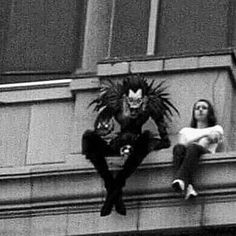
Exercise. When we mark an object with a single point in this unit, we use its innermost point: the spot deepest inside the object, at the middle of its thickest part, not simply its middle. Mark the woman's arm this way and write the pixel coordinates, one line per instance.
(189, 135)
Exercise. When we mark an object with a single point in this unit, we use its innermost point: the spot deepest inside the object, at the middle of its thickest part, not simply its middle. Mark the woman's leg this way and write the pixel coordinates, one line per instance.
(190, 163)
(179, 152)
(187, 169)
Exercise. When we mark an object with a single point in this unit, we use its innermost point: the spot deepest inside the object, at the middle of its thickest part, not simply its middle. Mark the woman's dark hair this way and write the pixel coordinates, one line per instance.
(211, 114)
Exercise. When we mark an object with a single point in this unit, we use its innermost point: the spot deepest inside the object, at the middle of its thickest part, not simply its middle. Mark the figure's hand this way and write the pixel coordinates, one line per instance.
(126, 151)
(160, 144)
(104, 127)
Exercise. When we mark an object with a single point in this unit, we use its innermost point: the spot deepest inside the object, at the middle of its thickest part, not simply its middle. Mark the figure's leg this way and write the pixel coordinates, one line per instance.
(95, 149)
(131, 164)
(134, 160)
(119, 204)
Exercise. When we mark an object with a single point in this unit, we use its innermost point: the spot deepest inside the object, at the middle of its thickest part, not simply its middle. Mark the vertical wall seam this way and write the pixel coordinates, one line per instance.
(152, 27)
(28, 135)
(138, 216)
(111, 28)
(202, 218)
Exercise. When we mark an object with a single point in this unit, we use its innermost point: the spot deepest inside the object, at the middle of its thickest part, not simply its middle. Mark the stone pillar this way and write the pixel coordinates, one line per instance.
(97, 32)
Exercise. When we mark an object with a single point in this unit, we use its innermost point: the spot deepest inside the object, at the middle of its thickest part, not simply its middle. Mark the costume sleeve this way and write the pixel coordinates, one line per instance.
(104, 124)
(162, 128)
(164, 141)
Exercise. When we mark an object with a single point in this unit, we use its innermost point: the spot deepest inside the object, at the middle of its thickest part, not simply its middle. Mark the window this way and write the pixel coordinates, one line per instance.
(40, 37)
(130, 28)
(170, 27)
(5, 7)
(192, 26)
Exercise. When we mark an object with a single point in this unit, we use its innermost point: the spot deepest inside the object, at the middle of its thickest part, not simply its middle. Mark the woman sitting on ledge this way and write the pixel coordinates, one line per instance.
(204, 136)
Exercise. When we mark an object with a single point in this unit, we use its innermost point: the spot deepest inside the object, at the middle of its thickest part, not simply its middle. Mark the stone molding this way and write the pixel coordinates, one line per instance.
(64, 88)
(167, 65)
(55, 188)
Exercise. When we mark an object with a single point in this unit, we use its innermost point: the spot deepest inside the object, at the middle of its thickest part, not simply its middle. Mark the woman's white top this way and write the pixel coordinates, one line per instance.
(202, 136)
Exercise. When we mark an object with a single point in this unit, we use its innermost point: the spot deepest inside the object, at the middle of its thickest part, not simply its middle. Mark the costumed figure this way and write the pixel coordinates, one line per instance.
(131, 102)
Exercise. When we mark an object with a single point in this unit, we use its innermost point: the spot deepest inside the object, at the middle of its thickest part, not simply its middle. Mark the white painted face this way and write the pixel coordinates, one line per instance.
(135, 100)
(201, 111)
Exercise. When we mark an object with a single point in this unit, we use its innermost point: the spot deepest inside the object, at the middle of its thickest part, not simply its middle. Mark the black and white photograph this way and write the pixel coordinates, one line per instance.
(117, 117)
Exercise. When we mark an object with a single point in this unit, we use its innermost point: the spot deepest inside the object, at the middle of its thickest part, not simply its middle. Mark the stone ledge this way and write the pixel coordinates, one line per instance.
(46, 90)
(76, 192)
(79, 165)
(85, 83)
(118, 68)
(168, 65)
(152, 166)
(35, 91)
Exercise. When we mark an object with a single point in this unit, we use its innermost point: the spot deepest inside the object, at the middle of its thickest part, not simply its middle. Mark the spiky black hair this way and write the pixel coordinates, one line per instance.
(110, 99)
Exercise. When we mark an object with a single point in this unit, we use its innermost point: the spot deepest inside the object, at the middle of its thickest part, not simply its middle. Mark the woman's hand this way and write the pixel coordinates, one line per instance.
(214, 136)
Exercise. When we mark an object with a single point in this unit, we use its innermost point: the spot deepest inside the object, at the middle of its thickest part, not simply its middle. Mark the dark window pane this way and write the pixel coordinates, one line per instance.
(5, 9)
(130, 28)
(192, 26)
(42, 35)
(232, 22)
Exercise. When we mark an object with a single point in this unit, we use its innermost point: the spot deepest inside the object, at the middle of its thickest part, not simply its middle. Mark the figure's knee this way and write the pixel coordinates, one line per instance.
(144, 138)
(147, 134)
(89, 141)
(88, 134)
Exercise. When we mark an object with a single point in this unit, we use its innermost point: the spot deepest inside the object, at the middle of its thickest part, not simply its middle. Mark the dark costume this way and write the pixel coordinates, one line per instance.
(131, 103)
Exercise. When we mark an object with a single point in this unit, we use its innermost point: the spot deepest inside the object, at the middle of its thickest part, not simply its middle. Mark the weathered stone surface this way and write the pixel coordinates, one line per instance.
(14, 130)
(67, 198)
(50, 132)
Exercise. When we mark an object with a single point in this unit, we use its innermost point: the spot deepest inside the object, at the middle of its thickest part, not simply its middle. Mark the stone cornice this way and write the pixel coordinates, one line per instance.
(157, 65)
(76, 193)
(53, 186)
(156, 159)
(64, 88)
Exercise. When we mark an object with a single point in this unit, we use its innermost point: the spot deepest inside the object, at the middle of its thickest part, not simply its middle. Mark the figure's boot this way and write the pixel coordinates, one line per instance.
(101, 166)
(129, 167)
(103, 170)
(110, 201)
(119, 204)
(131, 164)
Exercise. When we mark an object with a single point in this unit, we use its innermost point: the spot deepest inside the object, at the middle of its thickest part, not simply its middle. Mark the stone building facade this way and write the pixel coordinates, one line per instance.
(54, 57)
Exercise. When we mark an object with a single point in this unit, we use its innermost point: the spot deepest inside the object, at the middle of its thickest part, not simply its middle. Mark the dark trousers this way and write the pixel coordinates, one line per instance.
(95, 149)
(186, 159)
